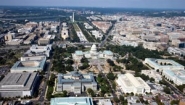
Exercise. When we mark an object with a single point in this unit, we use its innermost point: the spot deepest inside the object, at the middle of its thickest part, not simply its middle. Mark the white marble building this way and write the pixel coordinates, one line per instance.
(130, 84)
(93, 54)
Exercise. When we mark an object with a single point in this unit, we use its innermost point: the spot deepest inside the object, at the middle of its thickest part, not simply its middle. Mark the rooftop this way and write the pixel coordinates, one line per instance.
(72, 101)
(29, 65)
(162, 62)
(75, 75)
(129, 80)
(18, 81)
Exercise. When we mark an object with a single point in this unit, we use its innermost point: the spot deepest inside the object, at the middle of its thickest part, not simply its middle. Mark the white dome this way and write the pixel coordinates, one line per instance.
(93, 48)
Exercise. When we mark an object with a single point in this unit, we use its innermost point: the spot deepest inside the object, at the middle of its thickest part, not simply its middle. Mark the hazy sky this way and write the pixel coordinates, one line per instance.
(99, 3)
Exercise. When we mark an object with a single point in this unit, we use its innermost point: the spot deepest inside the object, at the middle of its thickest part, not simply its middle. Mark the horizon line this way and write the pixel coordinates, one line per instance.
(89, 7)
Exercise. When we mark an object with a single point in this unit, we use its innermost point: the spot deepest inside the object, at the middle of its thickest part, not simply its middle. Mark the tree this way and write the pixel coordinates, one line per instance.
(81, 47)
(69, 68)
(84, 60)
(114, 85)
(121, 98)
(84, 66)
(64, 93)
(50, 83)
(116, 100)
(110, 76)
(174, 102)
(167, 90)
(111, 63)
(90, 92)
(152, 79)
(69, 62)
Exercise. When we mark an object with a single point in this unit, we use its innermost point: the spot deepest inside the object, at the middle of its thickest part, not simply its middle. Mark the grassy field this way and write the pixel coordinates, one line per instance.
(76, 27)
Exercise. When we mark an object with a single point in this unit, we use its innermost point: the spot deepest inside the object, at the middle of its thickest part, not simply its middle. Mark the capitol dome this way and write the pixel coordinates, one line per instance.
(93, 48)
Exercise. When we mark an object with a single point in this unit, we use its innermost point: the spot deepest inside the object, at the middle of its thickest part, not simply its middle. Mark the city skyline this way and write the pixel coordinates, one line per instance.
(171, 4)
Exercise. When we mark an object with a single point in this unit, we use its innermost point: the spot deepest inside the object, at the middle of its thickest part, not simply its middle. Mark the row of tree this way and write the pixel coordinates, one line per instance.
(60, 63)
(115, 67)
(85, 63)
(73, 35)
(50, 84)
(138, 52)
(104, 85)
(87, 35)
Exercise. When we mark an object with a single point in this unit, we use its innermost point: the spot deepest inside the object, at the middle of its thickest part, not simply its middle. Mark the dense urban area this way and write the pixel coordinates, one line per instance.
(91, 56)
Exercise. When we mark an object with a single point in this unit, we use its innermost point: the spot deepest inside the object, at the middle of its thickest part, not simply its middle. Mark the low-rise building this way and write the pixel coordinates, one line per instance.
(31, 58)
(130, 84)
(14, 42)
(30, 39)
(152, 74)
(64, 34)
(72, 100)
(18, 84)
(156, 88)
(87, 26)
(176, 51)
(46, 39)
(104, 102)
(177, 76)
(9, 36)
(97, 34)
(163, 64)
(28, 66)
(75, 82)
(129, 43)
(40, 50)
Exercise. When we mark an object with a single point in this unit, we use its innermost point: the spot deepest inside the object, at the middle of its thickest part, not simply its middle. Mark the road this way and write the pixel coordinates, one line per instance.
(106, 37)
(41, 99)
(173, 88)
(14, 47)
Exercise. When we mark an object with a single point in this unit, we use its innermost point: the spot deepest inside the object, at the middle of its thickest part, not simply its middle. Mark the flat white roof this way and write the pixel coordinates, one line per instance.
(130, 80)
(72, 101)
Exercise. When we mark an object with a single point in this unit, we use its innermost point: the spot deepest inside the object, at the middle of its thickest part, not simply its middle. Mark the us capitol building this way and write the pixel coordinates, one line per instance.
(93, 54)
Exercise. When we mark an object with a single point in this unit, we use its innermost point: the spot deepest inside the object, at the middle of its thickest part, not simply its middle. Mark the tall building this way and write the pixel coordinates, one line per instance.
(73, 18)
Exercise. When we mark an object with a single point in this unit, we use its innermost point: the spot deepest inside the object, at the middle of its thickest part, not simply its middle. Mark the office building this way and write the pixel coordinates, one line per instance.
(130, 84)
(32, 58)
(163, 64)
(40, 50)
(177, 76)
(75, 82)
(28, 66)
(18, 84)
